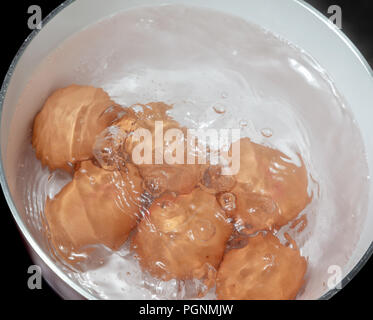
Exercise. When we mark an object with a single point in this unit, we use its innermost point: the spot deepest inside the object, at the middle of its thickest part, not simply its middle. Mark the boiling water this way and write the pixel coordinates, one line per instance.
(219, 72)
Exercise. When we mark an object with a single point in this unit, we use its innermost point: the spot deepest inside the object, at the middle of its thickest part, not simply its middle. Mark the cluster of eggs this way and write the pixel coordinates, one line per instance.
(182, 218)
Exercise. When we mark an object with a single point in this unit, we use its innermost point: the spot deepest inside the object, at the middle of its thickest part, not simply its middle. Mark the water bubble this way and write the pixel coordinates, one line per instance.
(138, 108)
(145, 22)
(243, 123)
(109, 148)
(227, 201)
(266, 132)
(219, 108)
(92, 180)
(156, 185)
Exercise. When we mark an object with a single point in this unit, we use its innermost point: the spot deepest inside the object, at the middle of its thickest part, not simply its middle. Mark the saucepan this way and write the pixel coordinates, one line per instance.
(345, 237)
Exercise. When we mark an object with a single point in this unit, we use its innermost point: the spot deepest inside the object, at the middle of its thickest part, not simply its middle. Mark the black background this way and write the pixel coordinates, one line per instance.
(357, 24)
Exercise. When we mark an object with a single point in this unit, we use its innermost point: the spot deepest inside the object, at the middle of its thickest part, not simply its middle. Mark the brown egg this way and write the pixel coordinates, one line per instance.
(270, 191)
(262, 270)
(159, 174)
(183, 237)
(96, 207)
(65, 129)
